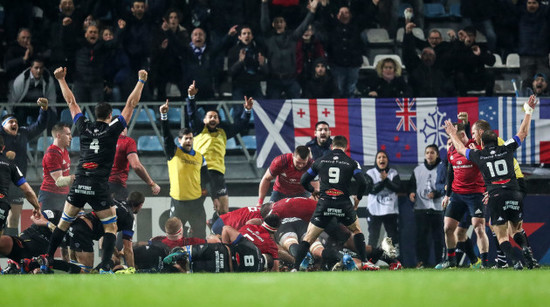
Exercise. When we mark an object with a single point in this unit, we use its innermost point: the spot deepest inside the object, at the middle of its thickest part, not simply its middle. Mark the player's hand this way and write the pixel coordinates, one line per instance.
(485, 199)
(472, 146)
(445, 202)
(142, 75)
(155, 189)
(10, 155)
(43, 103)
(60, 73)
(529, 106)
(449, 127)
(355, 202)
(163, 109)
(38, 216)
(412, 197)
(463, 117)
(315, 195)
(248, 103)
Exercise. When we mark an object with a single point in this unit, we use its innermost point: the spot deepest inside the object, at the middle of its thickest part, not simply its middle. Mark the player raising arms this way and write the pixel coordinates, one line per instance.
(98, 141)
(496, 164)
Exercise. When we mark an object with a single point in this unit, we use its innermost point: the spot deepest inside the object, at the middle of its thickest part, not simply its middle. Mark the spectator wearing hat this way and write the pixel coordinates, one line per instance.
(538, 86)
(321, 84)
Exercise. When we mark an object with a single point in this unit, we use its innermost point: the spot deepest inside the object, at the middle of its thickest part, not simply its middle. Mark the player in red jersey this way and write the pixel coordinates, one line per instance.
(236, 218)
(126, 156)
(56, 166)
(464, 196)
(174, 235)
(286, 169)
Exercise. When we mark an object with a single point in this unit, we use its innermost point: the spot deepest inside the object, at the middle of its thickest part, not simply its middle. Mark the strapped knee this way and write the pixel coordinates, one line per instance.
(67, 218)
(108, 220)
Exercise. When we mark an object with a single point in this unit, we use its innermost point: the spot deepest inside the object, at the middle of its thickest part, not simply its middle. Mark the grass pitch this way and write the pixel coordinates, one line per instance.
(410, 287)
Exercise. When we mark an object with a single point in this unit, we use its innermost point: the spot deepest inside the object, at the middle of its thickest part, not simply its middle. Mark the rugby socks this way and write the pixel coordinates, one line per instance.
(507, 249)
(67, 267)
(500, 254)
(526, 238)
(521, 239)
(293, 250)
(330, 256)
(451, 255)
(55, 240)
(301, 253)
(485, 259)
(359, 241)
(108, 247)
(469, 250)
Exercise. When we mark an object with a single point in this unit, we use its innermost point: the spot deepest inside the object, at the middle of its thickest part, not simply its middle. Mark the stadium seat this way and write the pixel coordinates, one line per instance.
(512, 60)
(116, 112)
(75, 144)
(65, 116)
(480, 38)
(223, 116)
(149, 143)
(434, 11)
(498, 62)
(174, 116)
(380, 57)
(250, 142)
(366, 64)
(40, 147)
(378, 36)
(454, 11)
(232, 145)
(141, 118)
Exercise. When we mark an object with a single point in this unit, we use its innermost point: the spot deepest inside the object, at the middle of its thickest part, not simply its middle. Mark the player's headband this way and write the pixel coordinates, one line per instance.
(5, 122)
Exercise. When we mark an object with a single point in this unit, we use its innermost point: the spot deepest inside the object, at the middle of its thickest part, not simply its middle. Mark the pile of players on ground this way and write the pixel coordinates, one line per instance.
(250, 239)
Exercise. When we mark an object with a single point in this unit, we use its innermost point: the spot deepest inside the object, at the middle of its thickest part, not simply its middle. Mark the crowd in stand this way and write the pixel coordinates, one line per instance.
(310, 49)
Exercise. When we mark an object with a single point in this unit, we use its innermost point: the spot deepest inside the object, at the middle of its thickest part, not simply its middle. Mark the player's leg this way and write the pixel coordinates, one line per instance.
(70, 213)
(374, 225)
(6, 245)
(311, 235)
(14, 215)
(194, 211)
(108, 219)
(436, 224)
(422, 235)
(391, 226)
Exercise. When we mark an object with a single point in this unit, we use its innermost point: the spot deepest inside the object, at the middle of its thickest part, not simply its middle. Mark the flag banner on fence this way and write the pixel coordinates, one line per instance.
(402, 127)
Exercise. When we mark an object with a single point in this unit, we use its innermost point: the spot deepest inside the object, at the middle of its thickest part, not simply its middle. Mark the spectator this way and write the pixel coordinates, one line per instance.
(116, 70)
(539, 86)
(168, 56)
(320, 144)
(89, 62)
(389, 83)
(308, 49)
(428, 213)
(469, 60)
(247, 65)
(533, 39)
(137, 38)
(344, 51)
(382, 200)
(33, 83)
(199, 61)
(19, 54)
(281, 52)
(68, 21)
(425, 78)
(479, 14)
(434, 41)
(321, 84)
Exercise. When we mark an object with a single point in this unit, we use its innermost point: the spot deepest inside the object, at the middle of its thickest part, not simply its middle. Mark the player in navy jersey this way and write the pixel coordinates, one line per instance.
(496, 164)
(98, 141)
(87, 228)
(335, 171)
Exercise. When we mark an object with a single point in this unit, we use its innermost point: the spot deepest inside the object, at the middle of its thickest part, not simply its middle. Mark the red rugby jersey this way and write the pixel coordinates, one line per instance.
(287, 176)
(55, 159)
(467, 177)
(299, 207)
(125, 146)
(261, 238)
(239, 217)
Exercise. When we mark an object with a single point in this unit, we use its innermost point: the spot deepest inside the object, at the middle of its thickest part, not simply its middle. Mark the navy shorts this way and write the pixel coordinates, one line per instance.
(90, 191)
(328, 208)
(217, 183)
(506, 205)
(465, 203)
(51, 201)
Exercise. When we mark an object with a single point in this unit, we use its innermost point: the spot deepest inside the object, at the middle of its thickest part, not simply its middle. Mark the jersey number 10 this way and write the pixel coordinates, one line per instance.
(499, 166)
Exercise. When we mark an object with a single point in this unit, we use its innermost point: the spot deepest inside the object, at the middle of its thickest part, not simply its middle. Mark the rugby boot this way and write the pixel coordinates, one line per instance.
(369, 266)
(446, 265)
(476, 265)
(177, 254)
(130, 270)
(106, 272)
(388, 248)
(12, 268)
(529, 259)
(349, 264)
(25, 265)
(518, 266)
(308, 260)
(394, 266)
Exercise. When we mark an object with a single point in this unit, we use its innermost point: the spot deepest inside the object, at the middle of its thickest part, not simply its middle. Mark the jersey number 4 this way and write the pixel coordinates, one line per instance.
(95, 145)
(497, 168)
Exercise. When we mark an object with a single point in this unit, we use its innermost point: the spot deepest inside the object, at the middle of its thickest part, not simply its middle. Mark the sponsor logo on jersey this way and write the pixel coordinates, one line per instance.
(90, 165)
(333, 192)
(500, 219)
(335, 158)
(478, 211)
(459, 162)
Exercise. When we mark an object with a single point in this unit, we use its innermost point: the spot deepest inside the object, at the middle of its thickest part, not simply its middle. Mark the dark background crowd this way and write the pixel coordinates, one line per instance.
(268, 49)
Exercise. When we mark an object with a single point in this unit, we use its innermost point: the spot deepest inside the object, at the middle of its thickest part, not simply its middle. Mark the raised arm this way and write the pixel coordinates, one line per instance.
(68, 95)
(457, 143)
(140, 170)
(135, 96)
(528, 107)
(264, 186)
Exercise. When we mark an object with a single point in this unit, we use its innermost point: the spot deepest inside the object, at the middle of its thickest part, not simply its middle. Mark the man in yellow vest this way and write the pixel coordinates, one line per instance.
(211, 137)
(186, 167)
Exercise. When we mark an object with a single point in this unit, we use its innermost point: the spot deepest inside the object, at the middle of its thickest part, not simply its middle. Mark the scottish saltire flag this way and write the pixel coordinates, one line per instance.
(403, 127)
